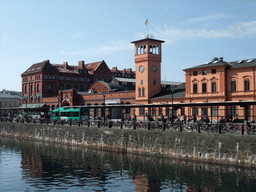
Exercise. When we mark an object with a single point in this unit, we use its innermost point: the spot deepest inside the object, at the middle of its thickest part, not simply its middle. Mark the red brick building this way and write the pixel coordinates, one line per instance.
(53, 85)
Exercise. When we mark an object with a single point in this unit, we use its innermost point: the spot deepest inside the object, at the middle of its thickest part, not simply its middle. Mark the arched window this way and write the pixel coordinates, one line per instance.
(246, 85)
(139, 92)
(25, 88)
(143, 91)
(81, 88)
(38, 88)
(61, 87)
(31, 88)
(49, 87)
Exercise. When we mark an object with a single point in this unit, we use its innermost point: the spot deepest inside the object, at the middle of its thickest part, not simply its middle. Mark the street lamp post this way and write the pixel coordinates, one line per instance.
(172, 90)
(58, 105)
(104, 100)
(26, 100)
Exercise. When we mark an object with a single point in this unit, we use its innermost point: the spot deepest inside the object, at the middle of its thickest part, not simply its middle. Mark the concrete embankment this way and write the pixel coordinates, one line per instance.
(208, 147)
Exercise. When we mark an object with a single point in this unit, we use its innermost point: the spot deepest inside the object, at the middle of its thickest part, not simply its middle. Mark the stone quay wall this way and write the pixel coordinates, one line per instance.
(203, 147)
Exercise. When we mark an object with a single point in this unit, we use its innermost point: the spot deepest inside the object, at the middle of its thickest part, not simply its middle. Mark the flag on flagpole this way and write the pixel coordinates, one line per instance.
(146, 23)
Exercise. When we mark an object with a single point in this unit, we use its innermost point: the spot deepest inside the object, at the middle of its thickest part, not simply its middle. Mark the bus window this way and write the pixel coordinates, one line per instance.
(64, 114)
(74, 114)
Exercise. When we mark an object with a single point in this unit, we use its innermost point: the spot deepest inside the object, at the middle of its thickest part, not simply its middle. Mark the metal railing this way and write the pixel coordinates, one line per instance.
(220, 128)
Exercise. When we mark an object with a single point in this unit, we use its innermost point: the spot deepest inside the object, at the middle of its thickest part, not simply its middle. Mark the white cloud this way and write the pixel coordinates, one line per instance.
(109, 48)
(236, 31)
(209, 18)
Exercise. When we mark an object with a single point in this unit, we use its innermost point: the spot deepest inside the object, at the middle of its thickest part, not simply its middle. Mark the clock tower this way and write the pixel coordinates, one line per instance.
(148, 68)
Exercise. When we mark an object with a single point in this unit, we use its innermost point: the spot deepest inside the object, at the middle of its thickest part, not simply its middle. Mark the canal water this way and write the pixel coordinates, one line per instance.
(36, 166)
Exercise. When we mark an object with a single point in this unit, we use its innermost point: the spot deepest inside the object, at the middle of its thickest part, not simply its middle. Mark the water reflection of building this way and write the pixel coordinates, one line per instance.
(32, 164)
(193, 188)
(143, 183)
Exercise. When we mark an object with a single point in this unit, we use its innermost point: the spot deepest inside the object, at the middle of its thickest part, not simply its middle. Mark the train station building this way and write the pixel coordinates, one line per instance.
(46, 86)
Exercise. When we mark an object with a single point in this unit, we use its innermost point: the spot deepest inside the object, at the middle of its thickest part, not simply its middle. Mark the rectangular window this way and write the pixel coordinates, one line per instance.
(213, 87)
(233, 85)
(154, 111)
(142, 110)
(183, 111)
(234, 111)
(249, 111)
(160, 110)
(204, 111)
(246, 85)
(214, 111)
(167, 111)
(204, 88)
(194, 88)
(213, 71)
(195, 111)
(194, 73)
(204, 72)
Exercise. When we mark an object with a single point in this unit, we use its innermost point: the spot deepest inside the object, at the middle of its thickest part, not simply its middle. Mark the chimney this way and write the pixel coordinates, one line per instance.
(47, 61)
(221, 58)
(124, 70)
(81, 64)
(129, 70)
(65, 64)
(114, 68)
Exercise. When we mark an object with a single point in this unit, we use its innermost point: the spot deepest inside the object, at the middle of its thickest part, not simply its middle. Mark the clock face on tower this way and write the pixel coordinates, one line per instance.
(141, 68)
(154, 68)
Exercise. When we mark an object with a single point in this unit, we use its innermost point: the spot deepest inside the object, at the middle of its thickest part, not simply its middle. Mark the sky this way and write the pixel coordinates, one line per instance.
(194, 32)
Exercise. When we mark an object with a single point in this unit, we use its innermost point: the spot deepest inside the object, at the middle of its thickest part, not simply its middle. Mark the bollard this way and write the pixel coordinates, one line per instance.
(121, 125)
(79, 122)
(242, 130)
(219, 128)
(54, 122)
(148, 126)
(163, 126)
(62, 122)
(180, 127)
(109, 124)
(47, 121)
(98, 124)
(88, 123)
(134, 125)
(198, 128)
(34, 121)
(70, 122)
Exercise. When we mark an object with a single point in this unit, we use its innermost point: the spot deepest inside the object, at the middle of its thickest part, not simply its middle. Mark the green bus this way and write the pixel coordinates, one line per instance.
(74, 113)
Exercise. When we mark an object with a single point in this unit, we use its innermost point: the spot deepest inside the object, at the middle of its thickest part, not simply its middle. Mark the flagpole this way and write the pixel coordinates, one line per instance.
(146, 23)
